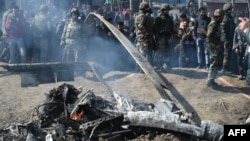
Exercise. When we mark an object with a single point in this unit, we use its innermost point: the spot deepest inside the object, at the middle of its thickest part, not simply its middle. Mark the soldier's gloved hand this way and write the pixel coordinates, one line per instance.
(62, 43)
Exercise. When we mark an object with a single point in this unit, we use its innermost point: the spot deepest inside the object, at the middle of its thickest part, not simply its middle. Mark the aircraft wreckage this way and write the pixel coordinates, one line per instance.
(70, 114)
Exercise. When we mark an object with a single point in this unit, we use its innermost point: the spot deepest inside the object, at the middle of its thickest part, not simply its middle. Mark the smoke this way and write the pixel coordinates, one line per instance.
(105, 51)
(110, 54)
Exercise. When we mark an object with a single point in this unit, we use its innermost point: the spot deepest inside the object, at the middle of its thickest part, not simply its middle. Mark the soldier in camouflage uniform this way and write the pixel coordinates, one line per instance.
(152, 29)
(73, 37)
(164, 29)
(143, 31)
(227, 33)
(214, 46)
(41, 27)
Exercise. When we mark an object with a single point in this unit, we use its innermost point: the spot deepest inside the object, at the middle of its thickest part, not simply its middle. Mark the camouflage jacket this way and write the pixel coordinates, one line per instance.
(142, 27)
(213, 33)
(164, 26)
(227, 28)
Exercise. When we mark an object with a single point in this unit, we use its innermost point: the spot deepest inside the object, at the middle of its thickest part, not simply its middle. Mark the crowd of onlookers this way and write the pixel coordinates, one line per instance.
(47, 36)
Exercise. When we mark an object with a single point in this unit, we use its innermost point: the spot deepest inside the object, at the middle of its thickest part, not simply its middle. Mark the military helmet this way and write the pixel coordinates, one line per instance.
(227, 6)
(43, 7)
(143, 5)
(75, 10)
(165, 6)
(218, 12)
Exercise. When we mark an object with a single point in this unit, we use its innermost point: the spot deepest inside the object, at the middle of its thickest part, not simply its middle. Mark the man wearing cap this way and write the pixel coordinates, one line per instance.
(227, 33)
(214, 46)
(164, 29)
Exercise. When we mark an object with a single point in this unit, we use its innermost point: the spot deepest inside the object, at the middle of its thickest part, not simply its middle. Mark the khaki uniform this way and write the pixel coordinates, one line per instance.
(73, 36)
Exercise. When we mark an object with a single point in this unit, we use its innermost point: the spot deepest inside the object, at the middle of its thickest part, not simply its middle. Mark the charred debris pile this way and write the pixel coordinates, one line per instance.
(72, 115)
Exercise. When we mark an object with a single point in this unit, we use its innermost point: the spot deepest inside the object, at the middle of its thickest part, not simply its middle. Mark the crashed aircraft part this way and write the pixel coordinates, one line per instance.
(208, 129)
(140, 60)
(103, 119)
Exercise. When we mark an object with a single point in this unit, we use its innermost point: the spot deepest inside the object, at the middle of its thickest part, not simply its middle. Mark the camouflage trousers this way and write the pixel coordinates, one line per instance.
(227, 53)
(146, 50)
(216, 62)
(163, 53)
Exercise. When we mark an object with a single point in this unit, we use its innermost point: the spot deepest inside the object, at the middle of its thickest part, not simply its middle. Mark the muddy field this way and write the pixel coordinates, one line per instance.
(225, 105)
(228, 104)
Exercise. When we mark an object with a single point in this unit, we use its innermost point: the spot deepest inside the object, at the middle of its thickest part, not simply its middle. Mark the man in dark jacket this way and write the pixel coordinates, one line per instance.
(200, 31)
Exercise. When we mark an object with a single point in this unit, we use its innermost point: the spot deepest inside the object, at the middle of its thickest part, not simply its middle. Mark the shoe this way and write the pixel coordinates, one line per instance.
(211, 83)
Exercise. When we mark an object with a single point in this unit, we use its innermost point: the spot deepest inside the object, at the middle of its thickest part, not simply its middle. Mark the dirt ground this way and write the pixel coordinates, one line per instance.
(228, 104)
